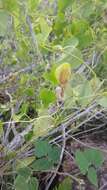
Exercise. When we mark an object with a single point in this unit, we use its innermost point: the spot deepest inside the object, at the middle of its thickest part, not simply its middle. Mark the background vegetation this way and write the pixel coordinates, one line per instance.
(53, 94)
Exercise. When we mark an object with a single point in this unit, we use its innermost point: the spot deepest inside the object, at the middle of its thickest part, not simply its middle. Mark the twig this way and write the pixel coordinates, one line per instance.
(10, 126)
(64, 174)
(19, 139)
(87, 145)
(34, 40)
(103, 186)
(65, 151)
(72, 120)
(16, 73)
(61, 157)
(90, 130)
(50, 171)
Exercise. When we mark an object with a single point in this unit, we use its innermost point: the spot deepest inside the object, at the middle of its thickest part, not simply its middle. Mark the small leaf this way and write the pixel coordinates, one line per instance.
(3, 22)
(47, 96)
(69, 98)
(78, 27)
(45, 28)
(54, 154)
(42, 148)
(11, 6)
(1, 127)
(87, 9)
(72, 42)
(81, 161)
(30, 91)
(20, 183)
(42, 125)
(95, 83)
(33, 184)
(24, 162)
(50, 76)
(92, 176)
(64, 4)
(32, 4)
(77, 79)
(71, 55)
(94, 156)
(103, 101)
(66, 184)
(24, 172)
(85, 93)
(42, 164)
(45, 31)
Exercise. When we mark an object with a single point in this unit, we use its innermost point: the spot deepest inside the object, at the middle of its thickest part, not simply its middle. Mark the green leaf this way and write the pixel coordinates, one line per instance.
(54, 154)
(23, 79)
(83, 32)
(103, 101)
(72, 42)
(24, 172)
(4, 17)
(23, 110)
(1, 127)
(24, 162)
(85, 93)
(42, 125)
(45, 31)
(92, 176)
(77, 80)
(69, 100)
(42, 164)
(47, 96)
(85, 39)
(78, 27)
(87, 9)
(32, 4)
(20, 183)
(11, 6)
(30, 91)
(50, 76)
(95, 83)
(94, 156)
(33, 183)
(81, 161)
(42, 148)
(45, 28)
(66, 184)
(63, 4)
(59, 24)
(73, 56)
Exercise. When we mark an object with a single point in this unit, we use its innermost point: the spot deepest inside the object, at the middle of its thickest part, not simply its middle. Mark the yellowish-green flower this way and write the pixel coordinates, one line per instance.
(63, 73)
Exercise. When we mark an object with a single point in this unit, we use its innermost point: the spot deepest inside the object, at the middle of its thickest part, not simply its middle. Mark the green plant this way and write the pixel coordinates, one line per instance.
(25, 180)
(46, 157)
(36, 40)
(65, 184)
(88, 162)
